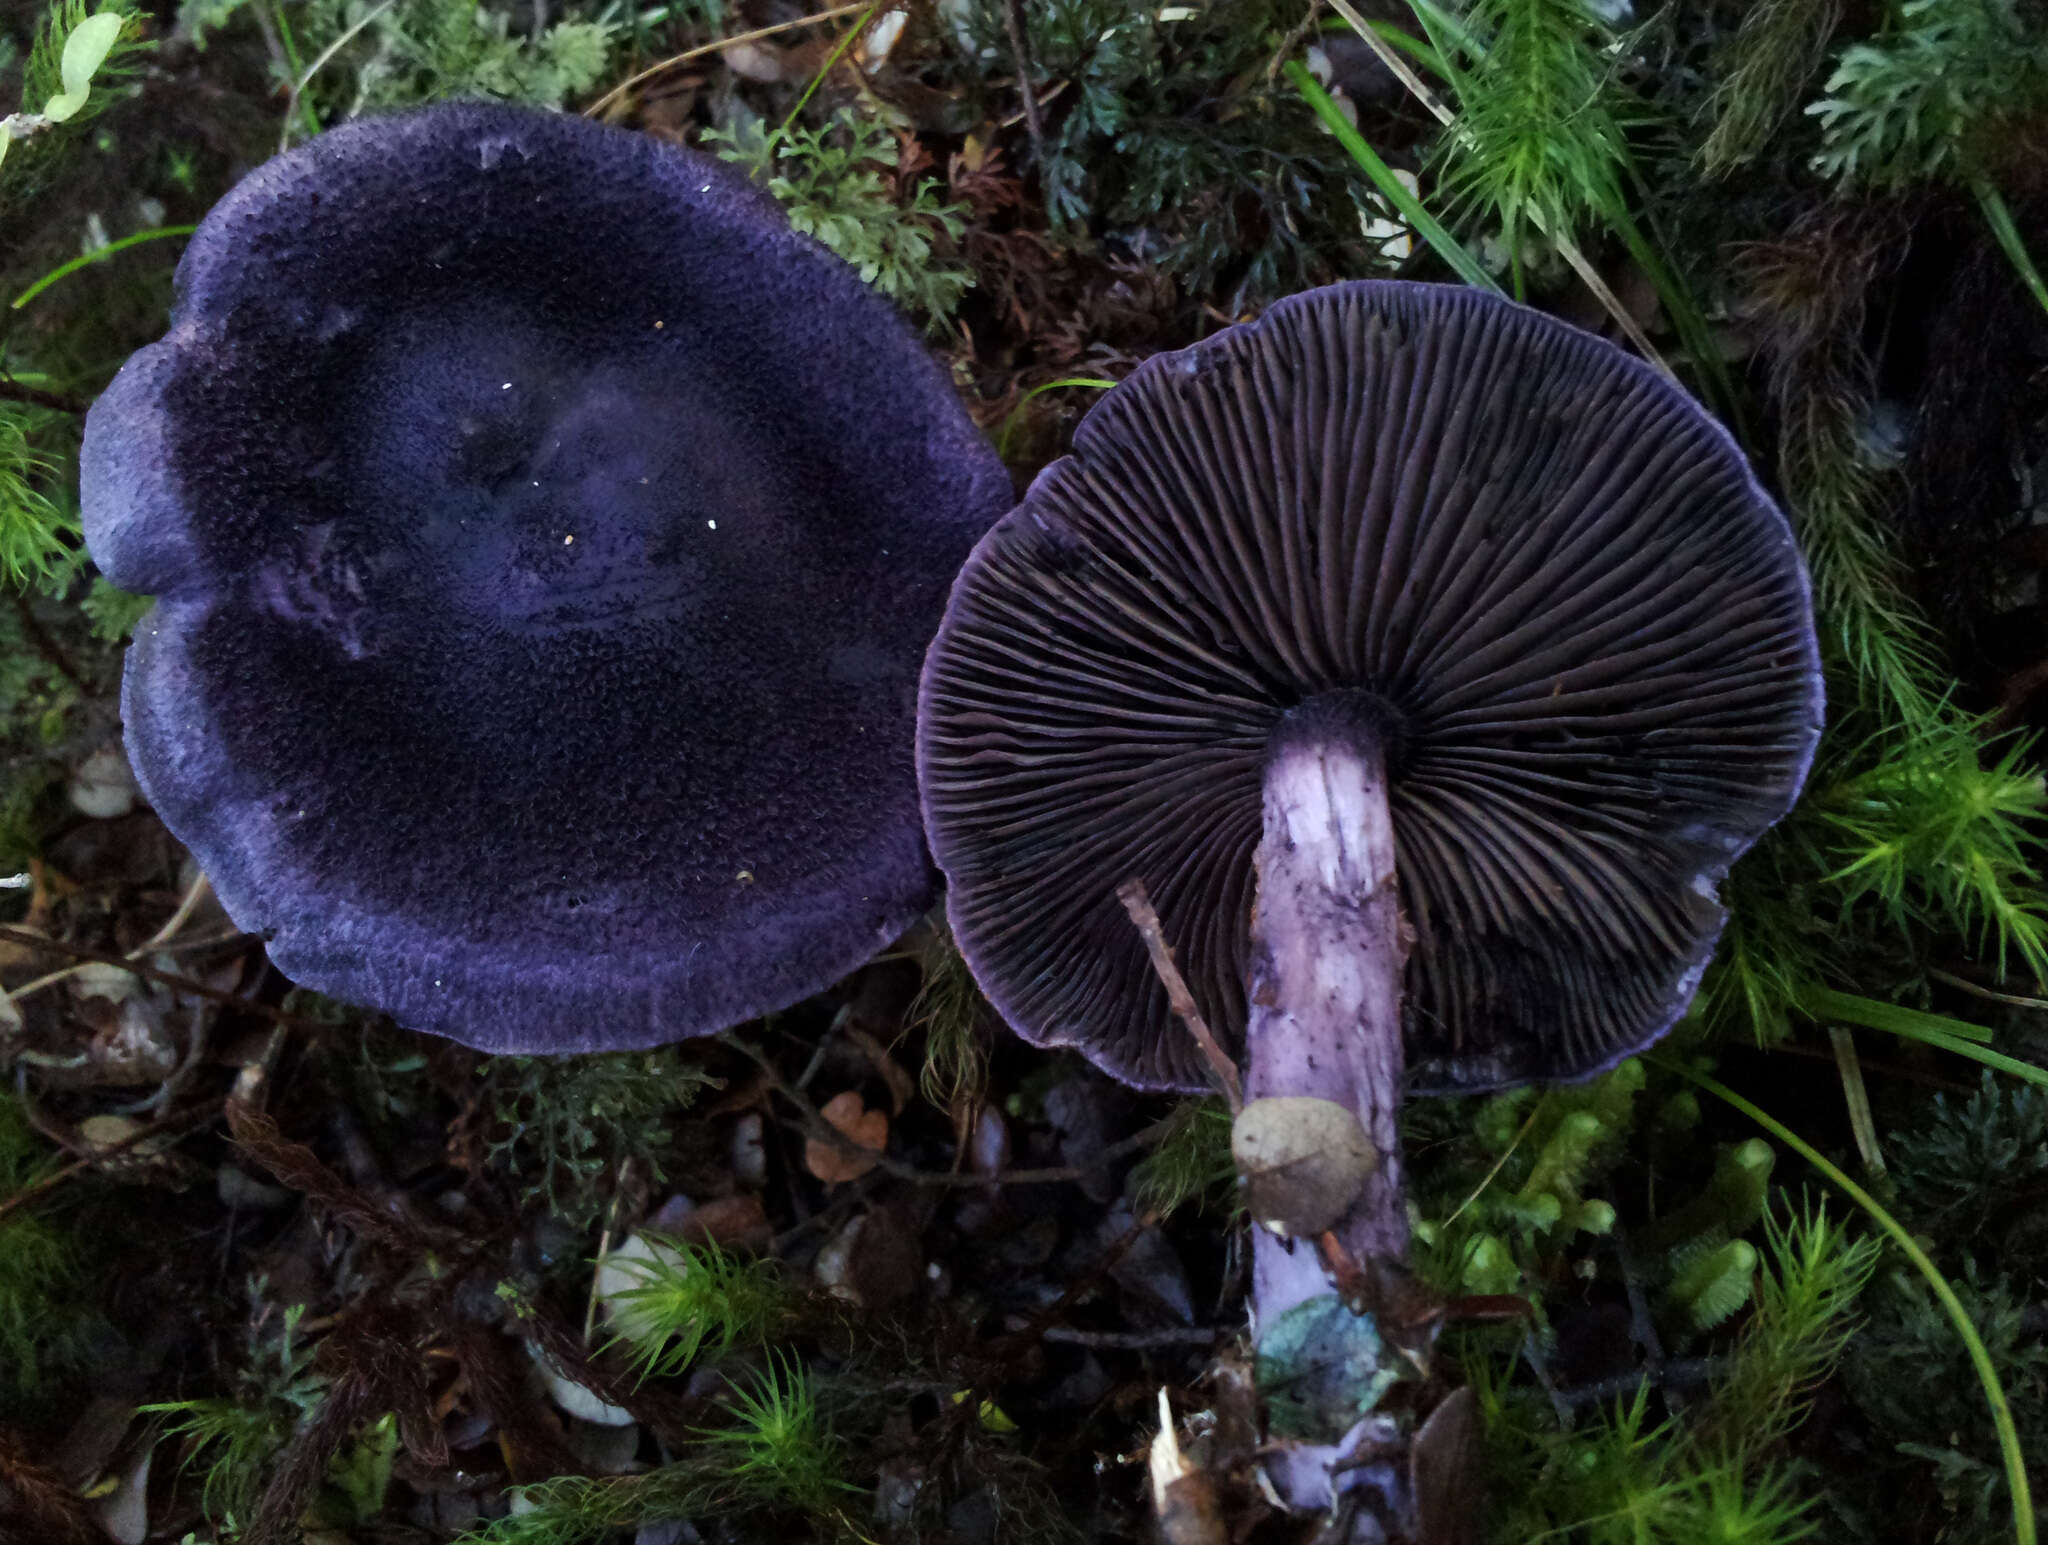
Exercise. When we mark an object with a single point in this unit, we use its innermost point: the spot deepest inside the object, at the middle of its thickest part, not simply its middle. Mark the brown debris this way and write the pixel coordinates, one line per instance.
(862, 1128)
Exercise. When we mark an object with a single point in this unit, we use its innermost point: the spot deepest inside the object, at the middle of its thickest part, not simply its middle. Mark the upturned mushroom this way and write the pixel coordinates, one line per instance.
(1428, 662)
(546, 539)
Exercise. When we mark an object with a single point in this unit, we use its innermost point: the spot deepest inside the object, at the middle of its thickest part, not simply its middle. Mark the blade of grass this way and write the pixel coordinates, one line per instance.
(1566, 247)
(831, 62)
(1411, 209)
(301, 82)
(1857, 1098)
(1010, 420)
(598, 108)
(1876, 1014)
(1950, 1035)
(1980, 1356)
(94, 256)
(1999, 218)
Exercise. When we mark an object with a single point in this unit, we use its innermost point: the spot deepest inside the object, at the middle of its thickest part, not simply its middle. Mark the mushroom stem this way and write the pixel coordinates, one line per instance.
(1328, 950)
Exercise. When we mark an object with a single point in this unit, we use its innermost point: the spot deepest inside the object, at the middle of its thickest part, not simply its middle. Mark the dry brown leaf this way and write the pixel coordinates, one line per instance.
(868, 1128)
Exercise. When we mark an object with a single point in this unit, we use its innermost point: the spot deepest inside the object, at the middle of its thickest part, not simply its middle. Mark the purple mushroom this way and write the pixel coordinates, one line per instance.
(546, 539)
(1429, 662)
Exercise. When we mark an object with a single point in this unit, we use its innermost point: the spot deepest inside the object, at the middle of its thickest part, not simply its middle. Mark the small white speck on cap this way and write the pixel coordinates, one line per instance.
(506, 387)
(712, 524)
(568, 539)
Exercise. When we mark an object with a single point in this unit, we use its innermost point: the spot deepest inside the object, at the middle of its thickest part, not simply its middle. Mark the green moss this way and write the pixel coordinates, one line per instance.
(44, 1315)
(563, 1127)
(834, 180)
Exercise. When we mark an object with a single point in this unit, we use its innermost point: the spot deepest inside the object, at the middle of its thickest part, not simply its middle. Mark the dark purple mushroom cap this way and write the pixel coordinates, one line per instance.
(1538, 564)
(546, 541)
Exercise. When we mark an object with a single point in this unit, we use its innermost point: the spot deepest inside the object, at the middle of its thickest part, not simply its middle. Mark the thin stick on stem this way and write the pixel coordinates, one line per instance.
(171, 979)
(1020, 50)
(162, 936)
(189, 1120)
(14, 391)
(1138, 902)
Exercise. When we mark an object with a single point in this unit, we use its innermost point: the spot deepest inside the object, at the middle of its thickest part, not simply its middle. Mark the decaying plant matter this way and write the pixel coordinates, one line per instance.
(378, 1285)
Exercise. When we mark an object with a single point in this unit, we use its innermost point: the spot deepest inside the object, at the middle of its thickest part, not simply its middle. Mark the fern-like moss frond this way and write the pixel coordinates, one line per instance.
(38, 531)
(832, 179)
(1762, 73)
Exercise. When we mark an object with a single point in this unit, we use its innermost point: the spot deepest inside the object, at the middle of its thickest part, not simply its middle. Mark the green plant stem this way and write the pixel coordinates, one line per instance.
(301, 82)
(1950, 1035)
(291, 59)
(1876, 1014)
(95, 256)
(1999, 218)
(1010, 420)
(831, 62)
(1980, 1356)
(1411, 208)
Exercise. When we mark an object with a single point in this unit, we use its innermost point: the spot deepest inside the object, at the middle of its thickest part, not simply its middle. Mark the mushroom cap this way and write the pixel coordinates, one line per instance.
(546, 540)
(1529, 566)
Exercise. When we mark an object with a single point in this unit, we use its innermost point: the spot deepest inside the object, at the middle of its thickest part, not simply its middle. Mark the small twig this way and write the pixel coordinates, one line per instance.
(850, 1196)
(1689, 1373)
(291, 104)
(99, 1156)
(813, 1125)
(1020, 51)
(168, 978)
(2014, 1000)
(1138, 1340)
(14, 391)
(46, 646)
(597, 108)
(1400, 68)
(181, 1075)
(1034, 1329)
(1301, 29)
(1037, 101)
(1539, 1364)
(1861, 1124)
(1642, 1324)
(1138, 903)
(1479, 1190)
(604, 1248)
(1872, 1065)
(155, 941)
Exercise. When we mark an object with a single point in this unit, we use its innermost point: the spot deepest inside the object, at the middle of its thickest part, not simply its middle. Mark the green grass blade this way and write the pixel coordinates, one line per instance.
(1894, 1018)
(1010, 422)
(1391, 187)
(1999, 218)
(94, 256)
(1950, 1035)
(1980, 1356)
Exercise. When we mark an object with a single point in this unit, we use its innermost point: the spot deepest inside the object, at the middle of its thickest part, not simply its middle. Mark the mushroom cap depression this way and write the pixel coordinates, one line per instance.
(1543, 576)
(546, 539)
